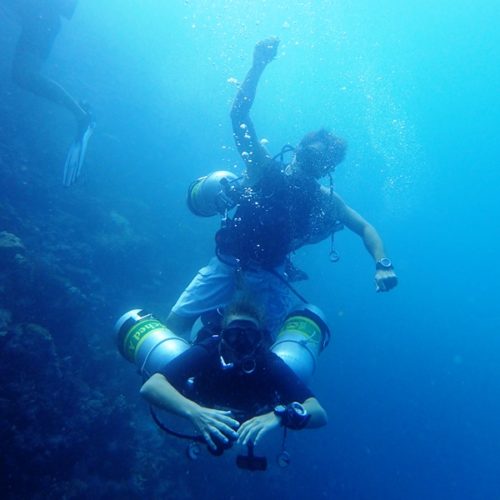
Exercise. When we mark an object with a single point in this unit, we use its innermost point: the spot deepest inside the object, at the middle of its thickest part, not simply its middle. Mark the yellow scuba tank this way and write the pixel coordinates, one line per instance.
(301, 339)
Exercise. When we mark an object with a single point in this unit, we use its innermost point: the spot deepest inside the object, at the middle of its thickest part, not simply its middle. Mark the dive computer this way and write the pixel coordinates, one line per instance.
(293, 416)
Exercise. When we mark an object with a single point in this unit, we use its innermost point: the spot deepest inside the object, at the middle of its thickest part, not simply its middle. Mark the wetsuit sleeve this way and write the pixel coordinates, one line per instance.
(188, 364)
(289, 386)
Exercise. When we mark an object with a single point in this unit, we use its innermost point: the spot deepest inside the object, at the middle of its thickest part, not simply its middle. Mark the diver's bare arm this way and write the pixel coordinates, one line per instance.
(318, 414)
(257, 427)
(212, 424)
(385, 279)
(356, 223)
(247, 142)
(158, 391)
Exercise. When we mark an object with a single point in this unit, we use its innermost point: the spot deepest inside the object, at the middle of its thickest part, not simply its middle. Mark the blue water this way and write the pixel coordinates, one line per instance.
(410, 380)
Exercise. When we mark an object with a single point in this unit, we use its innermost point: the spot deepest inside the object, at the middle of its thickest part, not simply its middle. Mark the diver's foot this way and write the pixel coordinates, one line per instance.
(78, 150)
(85, 119)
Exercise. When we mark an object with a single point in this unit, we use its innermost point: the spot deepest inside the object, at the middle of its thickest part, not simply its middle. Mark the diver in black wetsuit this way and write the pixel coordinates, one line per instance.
(241, 390)
(40, 22)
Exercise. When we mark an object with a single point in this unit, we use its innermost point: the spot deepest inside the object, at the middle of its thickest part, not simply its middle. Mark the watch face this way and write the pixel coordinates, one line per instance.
(385, 262)
(298, 409)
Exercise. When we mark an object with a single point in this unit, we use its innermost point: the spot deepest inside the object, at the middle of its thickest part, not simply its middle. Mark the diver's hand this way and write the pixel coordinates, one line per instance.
(255, 428)
(385, 279)
(215, 425)
(265, 51)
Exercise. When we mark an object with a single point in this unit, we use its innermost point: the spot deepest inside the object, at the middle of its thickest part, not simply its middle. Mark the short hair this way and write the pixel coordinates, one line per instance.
(336, 146)
(244, 304)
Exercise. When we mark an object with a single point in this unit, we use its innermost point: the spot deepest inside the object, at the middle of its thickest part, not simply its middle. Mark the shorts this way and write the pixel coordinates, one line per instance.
(215, 285)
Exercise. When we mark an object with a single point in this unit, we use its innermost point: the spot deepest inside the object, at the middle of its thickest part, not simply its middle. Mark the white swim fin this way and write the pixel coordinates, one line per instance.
(76, 154)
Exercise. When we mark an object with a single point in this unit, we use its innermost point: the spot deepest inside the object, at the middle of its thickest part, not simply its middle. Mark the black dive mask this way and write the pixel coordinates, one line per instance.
(239, 343)
(314, 160)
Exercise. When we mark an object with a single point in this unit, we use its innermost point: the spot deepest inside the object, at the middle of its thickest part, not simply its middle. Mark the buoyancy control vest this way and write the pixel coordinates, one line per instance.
(272, 218)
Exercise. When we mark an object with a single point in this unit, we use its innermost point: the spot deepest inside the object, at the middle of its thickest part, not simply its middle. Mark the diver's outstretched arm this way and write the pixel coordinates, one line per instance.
(385, 279)
(247, 142)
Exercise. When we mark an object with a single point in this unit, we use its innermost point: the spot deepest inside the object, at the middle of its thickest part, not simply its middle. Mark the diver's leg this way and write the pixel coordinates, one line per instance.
(33, 49)
(180, 325)
(275, 296)
(26, 73)
(211, 288)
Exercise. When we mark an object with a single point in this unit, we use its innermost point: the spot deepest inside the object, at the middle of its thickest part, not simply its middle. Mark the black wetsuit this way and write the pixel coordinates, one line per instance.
(271, 383)
(273, 218)
(40, 21)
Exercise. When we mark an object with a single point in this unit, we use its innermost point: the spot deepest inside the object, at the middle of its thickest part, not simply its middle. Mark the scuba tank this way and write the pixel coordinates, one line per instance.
(301, 339)
(145, 341)
(212, 194)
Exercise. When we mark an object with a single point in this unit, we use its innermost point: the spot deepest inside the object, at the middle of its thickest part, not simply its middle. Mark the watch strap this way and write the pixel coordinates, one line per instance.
(384, 264)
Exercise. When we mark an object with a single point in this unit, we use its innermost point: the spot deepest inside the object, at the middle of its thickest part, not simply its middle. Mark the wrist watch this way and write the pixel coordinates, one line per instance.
(279, 411)
(293, 416)
(384, 264)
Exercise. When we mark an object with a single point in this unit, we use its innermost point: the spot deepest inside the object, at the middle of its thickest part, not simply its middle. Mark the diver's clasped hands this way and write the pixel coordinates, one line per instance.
(265, 51)
(385, 279)
(218, 427)
(254, 429)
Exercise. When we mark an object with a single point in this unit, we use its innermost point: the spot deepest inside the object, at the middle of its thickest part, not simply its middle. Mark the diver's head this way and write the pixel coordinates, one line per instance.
(319, 152)
(242, 335)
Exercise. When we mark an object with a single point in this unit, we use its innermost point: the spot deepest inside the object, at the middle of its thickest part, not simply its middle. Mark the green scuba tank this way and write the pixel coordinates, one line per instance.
(145, 341)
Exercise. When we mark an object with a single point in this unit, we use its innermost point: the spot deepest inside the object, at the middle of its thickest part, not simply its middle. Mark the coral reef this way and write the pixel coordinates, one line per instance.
(71, 423)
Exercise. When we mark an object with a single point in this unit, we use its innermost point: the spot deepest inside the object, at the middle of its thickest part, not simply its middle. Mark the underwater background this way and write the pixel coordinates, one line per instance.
(411, 378)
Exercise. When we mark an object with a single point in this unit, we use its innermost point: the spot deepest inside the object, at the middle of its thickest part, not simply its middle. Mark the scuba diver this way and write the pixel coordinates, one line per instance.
(229, 384)
(40, 24)
(278, 210)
